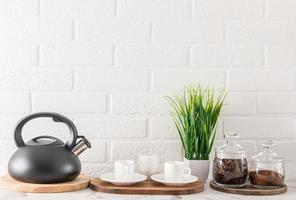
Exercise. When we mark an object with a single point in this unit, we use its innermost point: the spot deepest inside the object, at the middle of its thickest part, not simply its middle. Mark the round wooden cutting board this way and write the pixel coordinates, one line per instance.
(146, 187)
(248, 190)
(81, 182)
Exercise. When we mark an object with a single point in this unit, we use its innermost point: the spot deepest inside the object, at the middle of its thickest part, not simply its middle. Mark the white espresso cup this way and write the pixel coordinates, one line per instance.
(148, 164)
(124, 169)
(176, 171)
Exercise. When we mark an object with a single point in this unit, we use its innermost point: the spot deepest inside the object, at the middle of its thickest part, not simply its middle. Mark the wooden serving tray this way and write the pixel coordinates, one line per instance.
(81, 182)
(146, 187)
(248, 190)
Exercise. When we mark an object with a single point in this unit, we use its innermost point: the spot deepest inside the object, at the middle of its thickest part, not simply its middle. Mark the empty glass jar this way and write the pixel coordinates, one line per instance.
(267, 168)
(230, 168)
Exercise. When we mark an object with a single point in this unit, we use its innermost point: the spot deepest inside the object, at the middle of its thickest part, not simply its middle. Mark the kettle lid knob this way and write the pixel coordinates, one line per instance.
(45, 140)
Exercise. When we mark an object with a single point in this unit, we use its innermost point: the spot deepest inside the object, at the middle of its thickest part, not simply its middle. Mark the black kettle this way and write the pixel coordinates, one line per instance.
(47, 159)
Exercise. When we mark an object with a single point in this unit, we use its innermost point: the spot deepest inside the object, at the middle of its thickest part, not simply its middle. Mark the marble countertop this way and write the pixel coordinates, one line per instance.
(87, 194)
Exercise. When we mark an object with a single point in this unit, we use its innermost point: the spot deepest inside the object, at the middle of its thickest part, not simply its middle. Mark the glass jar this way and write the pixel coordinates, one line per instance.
(267, 168)
(230, 167)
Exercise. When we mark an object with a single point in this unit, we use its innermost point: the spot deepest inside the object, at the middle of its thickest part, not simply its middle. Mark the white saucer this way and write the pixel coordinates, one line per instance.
(135, 178)
(160, 178)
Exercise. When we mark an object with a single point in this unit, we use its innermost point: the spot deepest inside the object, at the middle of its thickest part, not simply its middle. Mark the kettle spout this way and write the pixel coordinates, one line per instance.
(81, 146)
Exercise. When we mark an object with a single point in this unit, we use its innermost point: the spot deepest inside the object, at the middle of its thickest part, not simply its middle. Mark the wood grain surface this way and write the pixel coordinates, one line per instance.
(248, 190)
(81, 182)
(146, 187)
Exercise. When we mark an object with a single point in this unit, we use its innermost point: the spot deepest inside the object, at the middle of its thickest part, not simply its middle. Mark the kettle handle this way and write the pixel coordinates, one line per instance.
(56, 118)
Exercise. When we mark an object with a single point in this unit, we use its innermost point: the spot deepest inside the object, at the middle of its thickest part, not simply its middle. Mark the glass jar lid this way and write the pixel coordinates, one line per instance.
(231, 149)
(267, 154)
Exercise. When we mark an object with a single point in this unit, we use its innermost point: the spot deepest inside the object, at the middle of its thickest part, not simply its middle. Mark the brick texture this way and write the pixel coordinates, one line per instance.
(108, 65)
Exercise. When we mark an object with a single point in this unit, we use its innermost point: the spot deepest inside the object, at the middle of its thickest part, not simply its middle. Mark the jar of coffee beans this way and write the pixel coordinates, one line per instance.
(267, 168)
(230, 168)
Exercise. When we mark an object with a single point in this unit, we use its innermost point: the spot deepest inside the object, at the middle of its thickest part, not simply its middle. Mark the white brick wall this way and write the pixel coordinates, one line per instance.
(240, 104)
(152, 55)
(153, 9)
(35, 79)
(15, 54)
(174, 80)
(279, 10)
(76, 53)
(113, 127)
(189, 31)
(112, 79)
(107, 64)
(139, 104)
(228, 9)
(261, 80)
(261, 32)
(281, 56)
(35, 30)
(70, 102)
(77, 9)
(227, 56)
(114, 30)
(18, 8)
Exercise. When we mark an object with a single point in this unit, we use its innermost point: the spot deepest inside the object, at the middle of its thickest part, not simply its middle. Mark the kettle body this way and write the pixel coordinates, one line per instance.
(46, 159)
(44, 165)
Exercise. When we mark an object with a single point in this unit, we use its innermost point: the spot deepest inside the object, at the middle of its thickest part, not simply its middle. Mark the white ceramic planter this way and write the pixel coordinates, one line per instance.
(199, 168)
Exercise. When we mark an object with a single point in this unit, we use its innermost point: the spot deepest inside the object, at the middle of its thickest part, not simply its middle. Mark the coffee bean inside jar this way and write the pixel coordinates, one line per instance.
(230, 167)
(232, 172)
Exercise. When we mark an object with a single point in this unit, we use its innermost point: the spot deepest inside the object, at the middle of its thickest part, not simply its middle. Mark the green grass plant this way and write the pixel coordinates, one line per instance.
(195, 114)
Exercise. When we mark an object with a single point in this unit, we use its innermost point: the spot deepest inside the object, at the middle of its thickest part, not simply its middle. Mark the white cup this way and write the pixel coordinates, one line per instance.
(124, 169)
(176, 171)
(148, 164)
